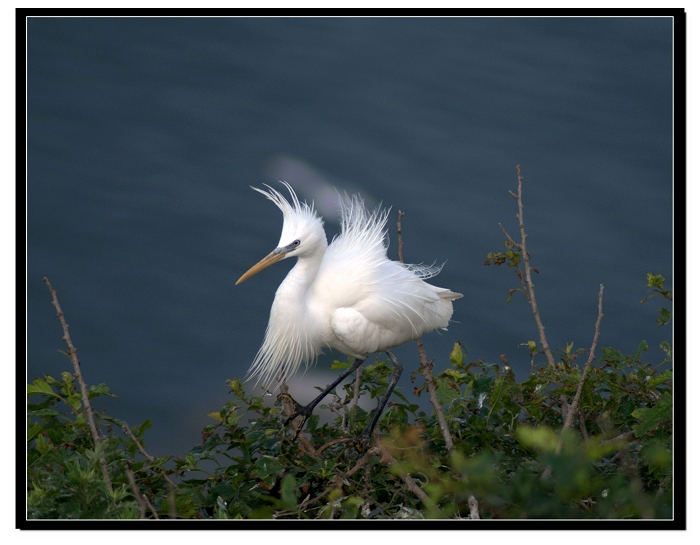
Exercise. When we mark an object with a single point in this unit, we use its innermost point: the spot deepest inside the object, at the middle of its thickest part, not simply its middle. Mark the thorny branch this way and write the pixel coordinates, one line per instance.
(528, 286)
(573, 409)
(73, 354)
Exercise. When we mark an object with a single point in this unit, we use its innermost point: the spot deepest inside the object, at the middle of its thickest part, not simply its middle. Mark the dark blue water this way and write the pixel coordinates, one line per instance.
(144, 135)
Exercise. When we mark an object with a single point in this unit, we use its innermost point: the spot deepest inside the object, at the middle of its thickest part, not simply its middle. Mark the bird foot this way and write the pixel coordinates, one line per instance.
(299, 411)
(362, 442)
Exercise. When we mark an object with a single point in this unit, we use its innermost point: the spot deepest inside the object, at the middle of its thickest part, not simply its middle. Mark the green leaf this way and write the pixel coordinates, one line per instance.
(660, 378)
(336, 365)
(288, 489)
(40, 386)
(33, 431)
(650, 418)
(541, 438)
(643, 347)
(100, 389)
(500, 388)
(457, 355)
(664, 317)
(446, 393)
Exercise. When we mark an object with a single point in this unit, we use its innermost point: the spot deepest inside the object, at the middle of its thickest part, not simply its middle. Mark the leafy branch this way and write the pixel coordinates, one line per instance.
(656, 282)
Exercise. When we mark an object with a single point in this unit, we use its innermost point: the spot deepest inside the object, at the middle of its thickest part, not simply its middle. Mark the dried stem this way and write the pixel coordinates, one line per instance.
(528, 286)
(426, 367)
(73, 354)
(622, 437)
(573, 409)
(473, 508)
(356, 390)
(528, 272)
(398, 223)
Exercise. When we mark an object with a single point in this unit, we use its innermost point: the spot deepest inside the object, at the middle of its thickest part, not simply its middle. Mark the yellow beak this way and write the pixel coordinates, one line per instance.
(273, 257)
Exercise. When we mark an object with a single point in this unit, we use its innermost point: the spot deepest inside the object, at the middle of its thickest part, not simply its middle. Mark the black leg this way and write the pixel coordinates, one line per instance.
(305, 411)
(363, 440)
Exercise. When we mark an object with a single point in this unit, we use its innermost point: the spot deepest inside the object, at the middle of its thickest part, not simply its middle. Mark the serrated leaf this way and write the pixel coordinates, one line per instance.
(661, 378)
(446, 394)
(650, 418)
(40, 386)
(339, 365)
(33, 431)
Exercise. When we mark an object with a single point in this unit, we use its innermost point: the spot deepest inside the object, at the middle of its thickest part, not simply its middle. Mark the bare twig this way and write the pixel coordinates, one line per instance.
(426, 367)
(125, 427)
(334, 442)
(582, 425)
(528, 271)
(73, 354)
(356, 390)
(398, 223)
(622, 437)
(577, 398)
(473, 508)
(140, 498)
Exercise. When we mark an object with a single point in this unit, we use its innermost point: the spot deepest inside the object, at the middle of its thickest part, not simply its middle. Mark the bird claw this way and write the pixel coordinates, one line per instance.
(302, 412)
(362, 442)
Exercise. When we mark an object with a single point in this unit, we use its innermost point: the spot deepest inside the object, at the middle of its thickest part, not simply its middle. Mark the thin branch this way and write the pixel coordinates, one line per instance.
(582, 426)
(622, 437)
(473, 508)
(356, 390)
(125, 427)
(577, 398)
(364, 460)
(73, 354)
(528, 271)
(426, 368)
(410, 483)
(140, 498)
(503, 229)
(332, 442)
(398, 223)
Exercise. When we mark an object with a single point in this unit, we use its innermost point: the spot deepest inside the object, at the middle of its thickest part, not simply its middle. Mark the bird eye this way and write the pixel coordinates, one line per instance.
(296, 242)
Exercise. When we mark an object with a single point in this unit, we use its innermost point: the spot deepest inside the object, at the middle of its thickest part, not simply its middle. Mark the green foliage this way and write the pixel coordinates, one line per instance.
(616, 464)
(511, 454)
(656, 283)
(64, 475)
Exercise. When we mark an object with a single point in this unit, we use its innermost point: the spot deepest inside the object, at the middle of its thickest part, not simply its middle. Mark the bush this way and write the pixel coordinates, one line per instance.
(572, 441)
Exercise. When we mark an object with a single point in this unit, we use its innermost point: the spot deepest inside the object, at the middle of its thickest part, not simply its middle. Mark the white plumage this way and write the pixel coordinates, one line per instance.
(347, 296)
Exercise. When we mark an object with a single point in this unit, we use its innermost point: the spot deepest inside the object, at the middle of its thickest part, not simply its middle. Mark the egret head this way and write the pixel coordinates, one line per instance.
(302, 231)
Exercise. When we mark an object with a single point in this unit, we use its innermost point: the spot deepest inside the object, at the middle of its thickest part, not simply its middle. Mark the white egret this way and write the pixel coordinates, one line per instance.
(348, 296)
